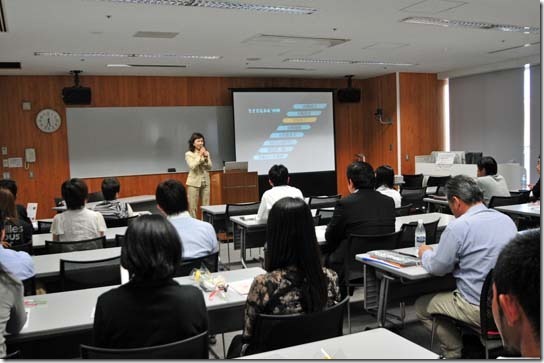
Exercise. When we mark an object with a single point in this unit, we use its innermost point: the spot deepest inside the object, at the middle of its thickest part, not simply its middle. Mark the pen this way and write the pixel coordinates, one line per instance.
(406, 254)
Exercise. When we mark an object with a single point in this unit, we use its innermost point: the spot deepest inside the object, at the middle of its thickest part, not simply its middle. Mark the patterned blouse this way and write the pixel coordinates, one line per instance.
(278, 292)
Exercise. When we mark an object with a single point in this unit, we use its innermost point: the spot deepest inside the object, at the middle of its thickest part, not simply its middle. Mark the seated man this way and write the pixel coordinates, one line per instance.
(468, 248)
(77, 223)
(516, 294)
(491, 183)
(110, 207)
(278, 178)
(18, 263)
(197, 237)
(364, 211)
(12, 187)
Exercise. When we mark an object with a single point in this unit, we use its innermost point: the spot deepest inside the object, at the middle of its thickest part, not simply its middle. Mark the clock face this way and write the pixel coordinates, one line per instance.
(48, 120)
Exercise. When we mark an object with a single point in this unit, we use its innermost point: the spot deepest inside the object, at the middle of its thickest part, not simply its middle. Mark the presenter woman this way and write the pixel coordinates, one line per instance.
(198, 181)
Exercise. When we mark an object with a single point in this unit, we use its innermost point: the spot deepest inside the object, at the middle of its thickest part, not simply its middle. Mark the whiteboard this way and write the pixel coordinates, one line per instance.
(118, 141)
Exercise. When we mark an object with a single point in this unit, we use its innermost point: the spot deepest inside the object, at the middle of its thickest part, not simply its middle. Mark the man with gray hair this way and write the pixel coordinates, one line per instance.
(468, 249)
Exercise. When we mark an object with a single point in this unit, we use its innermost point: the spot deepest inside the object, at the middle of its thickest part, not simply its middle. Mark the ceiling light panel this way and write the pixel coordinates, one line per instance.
(470, 25)
(293, 41)
(155, 35)
(513, 48)
(340, 61)
(292, 10)
(126, 55)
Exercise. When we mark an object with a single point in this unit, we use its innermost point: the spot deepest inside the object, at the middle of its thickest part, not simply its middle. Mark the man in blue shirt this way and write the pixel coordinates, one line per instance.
(198, 238)
(19, 264)
(468, 249)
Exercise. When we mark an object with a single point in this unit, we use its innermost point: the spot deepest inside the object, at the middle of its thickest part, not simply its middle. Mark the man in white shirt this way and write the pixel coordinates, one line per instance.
(278, 177)
(491, 183)
(198, 238)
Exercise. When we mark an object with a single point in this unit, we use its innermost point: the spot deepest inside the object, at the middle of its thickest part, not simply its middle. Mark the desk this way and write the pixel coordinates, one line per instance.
(215, 215)
(72, 312)
(137, 202)
(525, 209)
(251, 229)
(390, 273)
(38, 240)
(371, 344)
(48, 265)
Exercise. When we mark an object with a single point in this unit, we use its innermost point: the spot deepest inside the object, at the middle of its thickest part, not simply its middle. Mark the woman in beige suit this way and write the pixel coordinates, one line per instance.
(198, 182)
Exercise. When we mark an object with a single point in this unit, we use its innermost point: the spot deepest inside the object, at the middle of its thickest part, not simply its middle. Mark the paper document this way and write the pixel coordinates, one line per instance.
(242, 286)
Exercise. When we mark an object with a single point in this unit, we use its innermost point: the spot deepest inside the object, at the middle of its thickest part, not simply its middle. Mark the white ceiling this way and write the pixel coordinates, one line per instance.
(101, 26)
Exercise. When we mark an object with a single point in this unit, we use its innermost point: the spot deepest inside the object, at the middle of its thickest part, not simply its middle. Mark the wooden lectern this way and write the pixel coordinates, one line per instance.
(234, 186)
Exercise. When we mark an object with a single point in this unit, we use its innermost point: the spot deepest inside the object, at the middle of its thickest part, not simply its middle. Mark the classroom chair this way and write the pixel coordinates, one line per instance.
(211, 262)
(323, 201)
(69, 246)
(408, 231)
(77, 275)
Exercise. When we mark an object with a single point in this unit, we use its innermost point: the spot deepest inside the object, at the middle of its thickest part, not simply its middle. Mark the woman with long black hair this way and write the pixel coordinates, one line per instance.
(296, 281)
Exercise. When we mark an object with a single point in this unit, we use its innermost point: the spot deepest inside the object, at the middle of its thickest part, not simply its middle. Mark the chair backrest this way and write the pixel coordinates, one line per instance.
(323, 201)
(29, 286)
(76, 275)
(279, 331)
(403, 210)
(412, 181)
(119, 222)
(500, 201)
(325, 216)
(239, 209)
(523, 195)
(191, 348)
(95, 197)
(358, 243)
(414, 196)
(12, 355)
(438, 181)
(117, 242)
(408, 231)
(68, 246)
(211, 262)
(26, 247)
(487, 324)
(44, 227)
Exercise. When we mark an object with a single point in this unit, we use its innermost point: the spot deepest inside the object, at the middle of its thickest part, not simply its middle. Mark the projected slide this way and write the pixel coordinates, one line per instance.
(291, 128)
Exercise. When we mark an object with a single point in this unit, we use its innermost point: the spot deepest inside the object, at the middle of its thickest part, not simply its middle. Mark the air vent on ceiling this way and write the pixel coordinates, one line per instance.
(148, 65)
(293, 41)
(3, 25)
(526, 45)
(10, 65)
(280, 69)
(156, 35)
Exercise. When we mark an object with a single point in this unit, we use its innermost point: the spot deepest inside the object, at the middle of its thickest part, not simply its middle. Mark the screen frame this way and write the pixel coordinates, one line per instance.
(287, 90)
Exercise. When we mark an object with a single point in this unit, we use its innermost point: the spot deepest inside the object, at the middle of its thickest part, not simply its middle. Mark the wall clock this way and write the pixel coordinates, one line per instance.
(48, 120)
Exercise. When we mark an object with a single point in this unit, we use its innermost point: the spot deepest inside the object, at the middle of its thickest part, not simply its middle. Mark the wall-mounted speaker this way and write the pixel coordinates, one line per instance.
(76, 95)
(349, 95)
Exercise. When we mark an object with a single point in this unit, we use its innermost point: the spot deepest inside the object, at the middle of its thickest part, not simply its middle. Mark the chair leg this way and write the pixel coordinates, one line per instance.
(486, 349)
(224, 350)
(433, 331)
(402, 312)
(349, 314)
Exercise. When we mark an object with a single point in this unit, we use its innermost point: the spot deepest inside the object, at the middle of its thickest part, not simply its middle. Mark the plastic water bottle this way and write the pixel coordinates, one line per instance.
(420, 236)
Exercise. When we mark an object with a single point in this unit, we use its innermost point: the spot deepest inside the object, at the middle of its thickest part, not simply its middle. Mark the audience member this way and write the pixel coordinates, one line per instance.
(152, 308)
(295, 282)
(278, 178)
(364, 211)
(17, 231)
(468, 248)
(12, 187)
(17, 263)
(12, 308)
(198, 237)
(385, 177)
(77, 223)
(516, 294)
(535, 189)
(491, 183)
(111, 208)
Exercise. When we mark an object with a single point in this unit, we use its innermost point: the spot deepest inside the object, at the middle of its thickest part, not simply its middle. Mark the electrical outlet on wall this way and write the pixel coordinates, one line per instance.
(4, 150)
(5, 163)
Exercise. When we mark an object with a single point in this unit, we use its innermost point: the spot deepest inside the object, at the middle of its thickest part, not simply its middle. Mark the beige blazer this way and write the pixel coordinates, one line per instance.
(198, 169)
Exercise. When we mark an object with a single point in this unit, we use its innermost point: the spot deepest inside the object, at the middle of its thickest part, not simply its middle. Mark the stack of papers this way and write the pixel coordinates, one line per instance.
(242, 286)
(394, 258)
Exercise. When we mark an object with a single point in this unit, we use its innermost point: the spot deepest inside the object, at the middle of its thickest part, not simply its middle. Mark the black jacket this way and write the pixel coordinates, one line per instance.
(150, 313)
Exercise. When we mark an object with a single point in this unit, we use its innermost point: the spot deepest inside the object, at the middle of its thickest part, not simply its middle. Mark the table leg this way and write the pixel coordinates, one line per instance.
(243, 246)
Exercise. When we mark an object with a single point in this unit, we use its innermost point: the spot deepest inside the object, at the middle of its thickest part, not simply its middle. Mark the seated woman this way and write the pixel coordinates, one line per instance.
(12, 309)
(296, 281)
(385, 177)
(77, 223)
(151, 309)
(17, 231)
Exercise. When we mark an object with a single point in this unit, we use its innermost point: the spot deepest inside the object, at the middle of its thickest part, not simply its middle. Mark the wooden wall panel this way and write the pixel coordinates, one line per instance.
(355, 131)
(421, 125)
